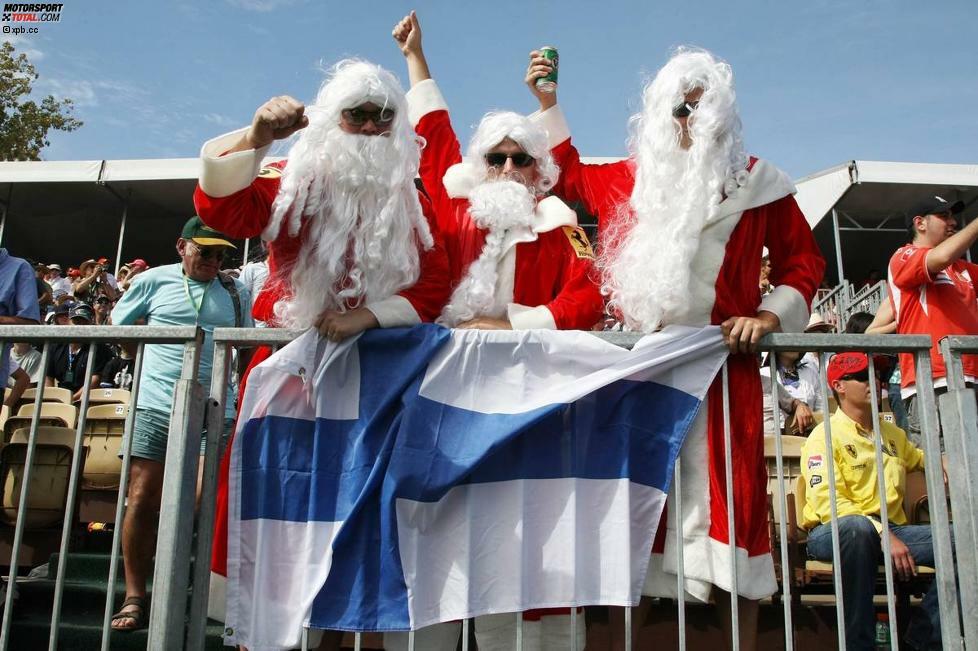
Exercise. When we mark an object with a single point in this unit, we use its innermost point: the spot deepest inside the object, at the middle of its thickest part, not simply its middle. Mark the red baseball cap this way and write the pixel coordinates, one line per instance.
(842, 364)
(138, 262)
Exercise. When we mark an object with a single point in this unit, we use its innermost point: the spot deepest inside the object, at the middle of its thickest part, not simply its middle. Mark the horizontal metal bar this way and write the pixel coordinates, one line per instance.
(962, 343)
(252, 336)
(833, 343)
(902, 231)
(79, 334)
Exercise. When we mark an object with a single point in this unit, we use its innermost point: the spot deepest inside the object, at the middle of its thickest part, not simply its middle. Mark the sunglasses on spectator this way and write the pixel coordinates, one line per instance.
(520, 159)
(215, 252)
(102, 299)
(359, 116)
(862, 376)
(685, 109)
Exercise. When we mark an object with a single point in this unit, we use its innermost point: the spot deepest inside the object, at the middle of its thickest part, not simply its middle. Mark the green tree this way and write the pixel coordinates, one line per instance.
(24, 123)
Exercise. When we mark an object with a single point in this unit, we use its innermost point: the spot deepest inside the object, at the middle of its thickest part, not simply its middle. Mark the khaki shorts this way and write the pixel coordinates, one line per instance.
(150, 433)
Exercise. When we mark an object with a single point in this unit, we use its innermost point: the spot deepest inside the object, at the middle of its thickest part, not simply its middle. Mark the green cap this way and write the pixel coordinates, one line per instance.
(195, 229)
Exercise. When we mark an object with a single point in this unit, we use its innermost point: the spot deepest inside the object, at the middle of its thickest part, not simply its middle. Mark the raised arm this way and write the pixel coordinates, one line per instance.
(601, 189)
(428, 112)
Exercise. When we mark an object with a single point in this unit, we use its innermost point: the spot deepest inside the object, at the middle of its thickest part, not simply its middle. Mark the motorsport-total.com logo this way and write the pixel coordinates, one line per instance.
(27, 13)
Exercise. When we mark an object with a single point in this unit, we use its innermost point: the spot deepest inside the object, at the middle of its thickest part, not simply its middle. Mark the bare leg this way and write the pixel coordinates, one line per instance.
(747, 618)
(139, 529)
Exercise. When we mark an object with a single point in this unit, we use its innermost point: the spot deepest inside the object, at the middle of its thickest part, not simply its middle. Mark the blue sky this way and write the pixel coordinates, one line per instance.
(819, 82)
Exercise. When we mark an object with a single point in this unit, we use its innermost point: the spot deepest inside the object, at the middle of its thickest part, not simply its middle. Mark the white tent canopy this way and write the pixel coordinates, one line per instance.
(858, 209)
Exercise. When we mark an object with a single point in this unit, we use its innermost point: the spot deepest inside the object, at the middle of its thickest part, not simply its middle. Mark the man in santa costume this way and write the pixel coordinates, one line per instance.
(516, 260)
(683, 223)
(349, 245)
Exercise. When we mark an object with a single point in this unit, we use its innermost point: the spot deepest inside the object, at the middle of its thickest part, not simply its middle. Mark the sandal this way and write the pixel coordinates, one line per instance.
(137, 615)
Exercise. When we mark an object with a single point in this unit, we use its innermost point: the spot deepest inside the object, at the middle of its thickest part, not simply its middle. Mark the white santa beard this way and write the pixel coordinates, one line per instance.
(648, 263)
(363, 227)
(499, 206)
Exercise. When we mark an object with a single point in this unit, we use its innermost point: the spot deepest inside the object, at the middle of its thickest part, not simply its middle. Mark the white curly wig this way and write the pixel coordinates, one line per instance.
(646, 258)
(352, 198)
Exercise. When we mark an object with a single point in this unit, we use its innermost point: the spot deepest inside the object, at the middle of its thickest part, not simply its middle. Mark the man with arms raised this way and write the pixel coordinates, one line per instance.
(516, 261)
(349, 246)
(683, 223)
(933, 292)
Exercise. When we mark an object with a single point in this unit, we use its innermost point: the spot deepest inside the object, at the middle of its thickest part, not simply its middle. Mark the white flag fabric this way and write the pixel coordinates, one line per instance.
(416, 476)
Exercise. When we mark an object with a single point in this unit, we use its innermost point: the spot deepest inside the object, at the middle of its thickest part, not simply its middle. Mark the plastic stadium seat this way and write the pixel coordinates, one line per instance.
(102, 396)
(104, 427)
(51, 394)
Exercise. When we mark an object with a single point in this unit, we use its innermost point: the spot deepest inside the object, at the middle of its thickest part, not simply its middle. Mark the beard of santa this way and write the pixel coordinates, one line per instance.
(354, 201)
(499, 206)
(646, 258)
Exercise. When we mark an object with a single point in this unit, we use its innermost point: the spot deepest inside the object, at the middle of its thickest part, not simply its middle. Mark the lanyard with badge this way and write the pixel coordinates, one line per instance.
(69, 375)
(200, 304)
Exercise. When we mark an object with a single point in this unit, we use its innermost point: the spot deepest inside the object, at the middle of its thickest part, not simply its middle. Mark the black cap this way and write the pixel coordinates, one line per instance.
(64, 308)
(934, 205)
(82, 311)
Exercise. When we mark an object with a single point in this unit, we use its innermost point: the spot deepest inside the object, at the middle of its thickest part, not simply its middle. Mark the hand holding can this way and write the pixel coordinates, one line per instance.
(548, 84)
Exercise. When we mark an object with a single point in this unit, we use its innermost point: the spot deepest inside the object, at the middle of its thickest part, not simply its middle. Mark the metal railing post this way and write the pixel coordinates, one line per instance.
(73, 480)
(126, 452)
(199, 596)
(833, 499)
(937, 498)
(731, 522)
(172, 574)
(959, 420)
(8, 607)
(677, 491)
(786, 569)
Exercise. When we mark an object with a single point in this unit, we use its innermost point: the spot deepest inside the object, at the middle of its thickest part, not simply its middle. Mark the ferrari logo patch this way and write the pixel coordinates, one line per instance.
(579, 242)
(270, 173)
(851, 449)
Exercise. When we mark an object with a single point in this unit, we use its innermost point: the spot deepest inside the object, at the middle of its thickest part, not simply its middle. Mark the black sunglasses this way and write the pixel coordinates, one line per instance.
(520, 159)
(358, 116)
(216, 252)
(102, 299)
(861, 376)
(685, 109)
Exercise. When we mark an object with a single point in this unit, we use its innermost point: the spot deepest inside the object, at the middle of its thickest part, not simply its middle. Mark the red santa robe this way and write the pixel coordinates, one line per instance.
(723, 284)
(546, 275)
(546, 279)
(234, 195)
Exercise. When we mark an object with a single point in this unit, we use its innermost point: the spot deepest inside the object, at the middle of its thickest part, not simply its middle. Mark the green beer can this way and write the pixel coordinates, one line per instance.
(548, 84)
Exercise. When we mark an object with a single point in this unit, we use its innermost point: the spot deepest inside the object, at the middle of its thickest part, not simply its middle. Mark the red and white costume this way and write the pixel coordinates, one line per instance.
(939, 305)
(723, 284)
(235, 195)
(546, 277)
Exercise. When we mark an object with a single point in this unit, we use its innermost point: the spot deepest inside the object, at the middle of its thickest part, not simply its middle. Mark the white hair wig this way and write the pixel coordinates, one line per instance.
(646, 259)
(353, 199)
(499, 125)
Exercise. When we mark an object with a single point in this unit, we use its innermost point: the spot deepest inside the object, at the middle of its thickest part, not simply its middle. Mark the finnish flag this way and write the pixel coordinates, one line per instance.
(416, 476)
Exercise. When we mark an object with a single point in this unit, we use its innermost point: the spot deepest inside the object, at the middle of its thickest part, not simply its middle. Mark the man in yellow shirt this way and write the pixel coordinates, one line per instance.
(858, 504)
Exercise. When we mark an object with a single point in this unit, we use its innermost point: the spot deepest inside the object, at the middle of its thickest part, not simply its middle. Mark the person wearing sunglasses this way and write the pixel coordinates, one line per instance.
(517, 260)
(191, 292)
(933, 292)
(853, 456)
(349, 244)
(684, 220)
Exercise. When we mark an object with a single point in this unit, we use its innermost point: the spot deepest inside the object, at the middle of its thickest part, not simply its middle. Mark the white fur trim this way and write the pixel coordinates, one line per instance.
(790, 306)
(424, 98)
(706, 562)
(766, 183)
(217, 598)
(554, 122)
(552, 213)
(461, 178)
(394, 312)
(222, 176)
(522, 317)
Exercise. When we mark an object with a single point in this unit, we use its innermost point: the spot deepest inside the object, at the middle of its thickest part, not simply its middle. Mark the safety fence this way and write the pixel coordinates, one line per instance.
(836, 305)
(175, 623)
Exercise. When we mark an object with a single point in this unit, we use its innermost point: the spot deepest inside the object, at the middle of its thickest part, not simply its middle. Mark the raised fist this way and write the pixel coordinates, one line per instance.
(407, 33)
(276, 119)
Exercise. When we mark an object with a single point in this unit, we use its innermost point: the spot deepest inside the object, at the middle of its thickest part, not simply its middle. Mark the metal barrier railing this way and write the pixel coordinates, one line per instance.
(172, 557)
(167, 618)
